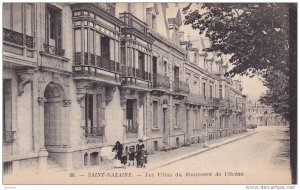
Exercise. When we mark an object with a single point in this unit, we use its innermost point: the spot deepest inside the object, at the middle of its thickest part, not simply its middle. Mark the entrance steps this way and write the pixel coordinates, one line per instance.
(165, 147)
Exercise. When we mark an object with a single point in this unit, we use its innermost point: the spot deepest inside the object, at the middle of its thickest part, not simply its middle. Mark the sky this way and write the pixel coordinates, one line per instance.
(252, 87)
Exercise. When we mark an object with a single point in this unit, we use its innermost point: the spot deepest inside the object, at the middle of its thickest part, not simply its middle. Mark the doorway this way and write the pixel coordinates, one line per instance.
(52, 115)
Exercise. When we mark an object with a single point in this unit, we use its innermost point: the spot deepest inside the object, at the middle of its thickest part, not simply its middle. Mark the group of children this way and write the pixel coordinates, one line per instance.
(138, 153)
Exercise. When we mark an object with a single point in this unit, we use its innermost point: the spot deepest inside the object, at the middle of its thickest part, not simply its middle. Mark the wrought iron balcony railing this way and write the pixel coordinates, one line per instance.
(161, 81)
(133, 22)
(17, 38)
(181, 87)
(216, 101)
(136, 73)
(8, 136)
(54, 50)
(93, 131)
(95, 61)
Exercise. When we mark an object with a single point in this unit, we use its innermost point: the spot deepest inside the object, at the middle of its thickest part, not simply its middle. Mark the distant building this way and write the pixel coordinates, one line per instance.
(80, 76)
(262, 115)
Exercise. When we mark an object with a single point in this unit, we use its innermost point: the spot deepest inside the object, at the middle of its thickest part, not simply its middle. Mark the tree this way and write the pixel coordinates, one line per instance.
(255, 34)
(277, 94)
(261, 41)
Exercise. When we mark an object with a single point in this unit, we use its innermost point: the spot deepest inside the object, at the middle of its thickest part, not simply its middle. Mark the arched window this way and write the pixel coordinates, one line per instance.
(85, 159)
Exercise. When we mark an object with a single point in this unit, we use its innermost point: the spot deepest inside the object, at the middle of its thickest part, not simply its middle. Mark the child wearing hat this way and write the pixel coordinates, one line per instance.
(131, 155)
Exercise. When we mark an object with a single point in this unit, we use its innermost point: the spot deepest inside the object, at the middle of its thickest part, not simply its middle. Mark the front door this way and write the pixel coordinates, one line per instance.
(52, 116)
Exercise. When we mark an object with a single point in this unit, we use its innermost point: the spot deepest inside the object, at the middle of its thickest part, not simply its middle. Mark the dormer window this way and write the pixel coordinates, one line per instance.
(151, 17)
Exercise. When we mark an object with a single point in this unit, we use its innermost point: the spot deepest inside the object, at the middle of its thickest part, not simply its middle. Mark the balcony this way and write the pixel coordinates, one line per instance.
(195, 99)
(161, 83)
(54, 50)
(17, 38)
(93, 131)
(136, 78)
(216, 102)
(8, 136)
(93, 67)
(17, 46)
(181, 89)
(93, 135)
(133, 22)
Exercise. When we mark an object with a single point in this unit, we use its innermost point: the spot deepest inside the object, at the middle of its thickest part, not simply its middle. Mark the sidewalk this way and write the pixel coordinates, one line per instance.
(160, 158)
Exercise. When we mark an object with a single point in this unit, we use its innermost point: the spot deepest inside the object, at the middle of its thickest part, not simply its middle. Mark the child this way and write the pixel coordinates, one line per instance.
(131, 155)
(143, 159)
(124, 157)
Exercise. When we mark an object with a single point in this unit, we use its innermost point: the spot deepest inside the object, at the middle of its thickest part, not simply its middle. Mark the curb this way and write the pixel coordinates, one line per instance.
(199, 152)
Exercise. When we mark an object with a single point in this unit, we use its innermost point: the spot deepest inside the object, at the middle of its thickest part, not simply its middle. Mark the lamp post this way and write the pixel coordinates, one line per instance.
(206, 131)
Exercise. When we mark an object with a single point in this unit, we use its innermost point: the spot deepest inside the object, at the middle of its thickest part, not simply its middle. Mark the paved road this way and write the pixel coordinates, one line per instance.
(262, 158)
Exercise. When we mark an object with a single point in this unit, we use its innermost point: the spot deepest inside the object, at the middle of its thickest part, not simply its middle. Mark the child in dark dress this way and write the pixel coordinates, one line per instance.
(131, 155)
(124, 157)
(143, 158)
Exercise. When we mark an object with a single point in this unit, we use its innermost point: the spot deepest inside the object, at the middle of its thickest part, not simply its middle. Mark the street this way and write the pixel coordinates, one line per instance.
(262, 158)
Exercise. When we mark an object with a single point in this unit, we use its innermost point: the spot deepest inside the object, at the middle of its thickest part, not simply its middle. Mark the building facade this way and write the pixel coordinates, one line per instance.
(80, 76)
(262, 115)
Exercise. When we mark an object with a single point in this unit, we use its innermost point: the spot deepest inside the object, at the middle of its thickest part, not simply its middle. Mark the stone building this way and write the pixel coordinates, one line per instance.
(262, 115)
(80, 76)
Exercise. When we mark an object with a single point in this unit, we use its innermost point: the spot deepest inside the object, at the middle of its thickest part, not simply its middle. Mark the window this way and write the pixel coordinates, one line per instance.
(220, 92)
(131, 116)
(154, 64)
(53, 43)
(177, 115)
(153, 22)
(155, 145)
(165, 68)
(14, 25)
(141, 61)
(195, 119)
(92, 115)
(155, 114)
(204, 90)
(151, 18)
(7, 111)
(54, 27)
(12, 16)
(105, 47)
(210, 91)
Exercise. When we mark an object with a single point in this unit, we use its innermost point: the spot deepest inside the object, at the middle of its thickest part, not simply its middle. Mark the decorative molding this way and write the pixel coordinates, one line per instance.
(141, 98)
(24, 77)
(109, 94)
(124, 92)
(42, 101)
(80, 96)
(66, 102)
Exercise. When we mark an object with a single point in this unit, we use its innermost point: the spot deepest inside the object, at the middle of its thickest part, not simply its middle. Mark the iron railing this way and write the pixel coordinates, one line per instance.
(88, 60)
(161, 81)
(17, 38)
(133, 22)
(93, 131)
(54, 50)
(136, 73)
(181, 87)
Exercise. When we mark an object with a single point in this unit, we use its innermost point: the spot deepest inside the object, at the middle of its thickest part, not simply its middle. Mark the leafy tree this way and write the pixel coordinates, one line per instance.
(277, 94)
(255, 34)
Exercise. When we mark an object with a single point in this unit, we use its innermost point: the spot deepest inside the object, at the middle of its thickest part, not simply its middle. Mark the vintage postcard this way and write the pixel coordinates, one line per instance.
(148, 93)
